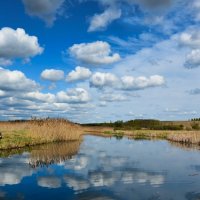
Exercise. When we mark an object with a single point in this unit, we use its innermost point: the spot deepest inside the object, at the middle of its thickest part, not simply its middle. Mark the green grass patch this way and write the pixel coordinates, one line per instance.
(16, 139)
(149, 135)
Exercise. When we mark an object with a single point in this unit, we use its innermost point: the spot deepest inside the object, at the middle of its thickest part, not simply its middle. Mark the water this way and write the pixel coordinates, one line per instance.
(102, 169)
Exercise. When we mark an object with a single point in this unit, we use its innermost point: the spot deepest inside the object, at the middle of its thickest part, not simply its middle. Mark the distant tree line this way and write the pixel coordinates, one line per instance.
(195, 119)
(139, 124)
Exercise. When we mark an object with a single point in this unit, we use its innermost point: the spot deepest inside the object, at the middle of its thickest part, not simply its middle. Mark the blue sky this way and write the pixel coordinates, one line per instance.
(97, 60)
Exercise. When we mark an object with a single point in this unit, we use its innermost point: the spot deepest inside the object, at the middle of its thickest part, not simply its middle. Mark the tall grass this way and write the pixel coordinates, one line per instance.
(186, 137)
(54, 130)
(191, 137)
(27, 133)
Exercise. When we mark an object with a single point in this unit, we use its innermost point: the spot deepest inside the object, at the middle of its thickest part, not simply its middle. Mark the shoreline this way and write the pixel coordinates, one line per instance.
(17, 136)
(37, 144)
(183, 137)
(108, 132)
(29, 148)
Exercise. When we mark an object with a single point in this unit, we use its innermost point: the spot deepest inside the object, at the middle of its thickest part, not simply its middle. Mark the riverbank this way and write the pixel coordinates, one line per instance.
(183, 136)
(22, 134)
(36, 132)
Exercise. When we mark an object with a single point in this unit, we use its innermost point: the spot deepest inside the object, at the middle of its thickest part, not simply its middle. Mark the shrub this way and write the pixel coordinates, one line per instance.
(195, 126)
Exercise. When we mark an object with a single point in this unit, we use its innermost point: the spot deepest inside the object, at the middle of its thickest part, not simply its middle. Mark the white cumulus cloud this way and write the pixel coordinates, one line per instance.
(132, 83)
(101, 21)
(17, 44)
(96, 53)
(100, 80)
(77, 95)
(21, 98)
(52, 75)
(38, 96)
(15, 81)
(80, 73)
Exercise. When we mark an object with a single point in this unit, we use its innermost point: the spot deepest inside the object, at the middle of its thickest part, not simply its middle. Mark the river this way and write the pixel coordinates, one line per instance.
(100, 168)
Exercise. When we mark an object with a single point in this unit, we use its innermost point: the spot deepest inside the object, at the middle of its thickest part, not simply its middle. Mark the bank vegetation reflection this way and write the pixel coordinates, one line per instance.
(54, 153)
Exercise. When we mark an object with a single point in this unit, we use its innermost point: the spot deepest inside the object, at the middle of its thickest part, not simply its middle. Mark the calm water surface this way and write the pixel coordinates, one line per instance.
(102, 169)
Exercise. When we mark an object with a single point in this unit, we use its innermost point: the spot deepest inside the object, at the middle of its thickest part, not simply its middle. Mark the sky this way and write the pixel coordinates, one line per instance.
(97, 60)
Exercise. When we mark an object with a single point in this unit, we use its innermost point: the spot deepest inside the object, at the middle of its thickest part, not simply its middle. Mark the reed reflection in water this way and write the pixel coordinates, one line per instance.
(53, 153)
(189, 147)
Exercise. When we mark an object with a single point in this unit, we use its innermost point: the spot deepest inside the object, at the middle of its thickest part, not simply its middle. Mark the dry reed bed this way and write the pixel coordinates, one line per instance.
(189, 137)
(33, 132)
(54, 130)
(185, 137)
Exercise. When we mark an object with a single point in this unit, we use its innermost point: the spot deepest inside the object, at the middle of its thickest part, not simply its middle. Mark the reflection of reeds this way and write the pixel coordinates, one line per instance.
(10, 152)
(185, 146)
(48, 154)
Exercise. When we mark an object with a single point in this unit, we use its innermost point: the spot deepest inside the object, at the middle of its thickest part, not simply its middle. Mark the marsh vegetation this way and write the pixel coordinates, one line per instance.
(186, 132)
(19, 134)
